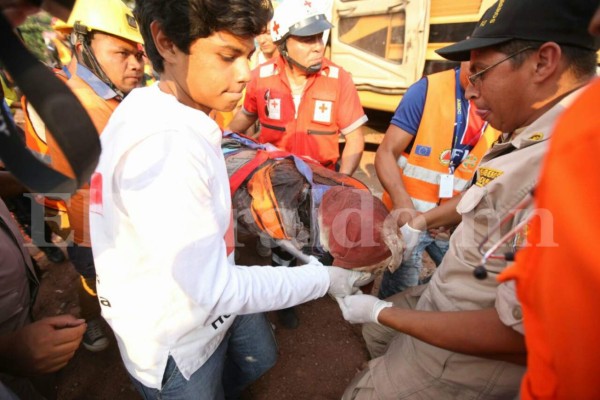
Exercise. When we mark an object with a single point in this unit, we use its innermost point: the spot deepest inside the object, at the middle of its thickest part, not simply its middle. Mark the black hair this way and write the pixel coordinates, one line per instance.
(185, 21)
(581, 61)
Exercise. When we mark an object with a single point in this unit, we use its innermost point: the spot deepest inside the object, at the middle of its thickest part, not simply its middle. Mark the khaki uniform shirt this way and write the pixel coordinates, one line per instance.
(507, 174)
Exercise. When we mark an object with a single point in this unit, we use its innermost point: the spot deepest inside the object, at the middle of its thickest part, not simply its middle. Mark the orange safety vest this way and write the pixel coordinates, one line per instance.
(35, 129)
(302, 135)
(421, 173)
(100, 111)
(35, 140)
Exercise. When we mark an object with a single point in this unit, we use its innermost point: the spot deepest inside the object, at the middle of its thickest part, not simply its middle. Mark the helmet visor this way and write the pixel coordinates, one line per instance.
(310, 26)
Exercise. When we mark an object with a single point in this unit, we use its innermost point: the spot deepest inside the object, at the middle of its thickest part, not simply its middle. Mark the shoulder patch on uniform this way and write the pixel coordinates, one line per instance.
(537, 136)
(334, 72)
(486, 175)
(267, 70)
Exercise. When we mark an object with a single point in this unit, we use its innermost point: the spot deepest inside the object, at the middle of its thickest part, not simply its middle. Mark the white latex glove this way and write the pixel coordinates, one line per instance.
(362, 308)
(343, 282)
(410, 237)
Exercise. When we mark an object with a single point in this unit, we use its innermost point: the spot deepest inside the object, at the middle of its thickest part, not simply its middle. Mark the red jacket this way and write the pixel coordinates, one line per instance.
(329, 106)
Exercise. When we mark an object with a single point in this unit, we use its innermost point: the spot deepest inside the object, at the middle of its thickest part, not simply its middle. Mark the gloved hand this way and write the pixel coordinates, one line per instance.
(361, 308)
(410, 238)
(343, 282)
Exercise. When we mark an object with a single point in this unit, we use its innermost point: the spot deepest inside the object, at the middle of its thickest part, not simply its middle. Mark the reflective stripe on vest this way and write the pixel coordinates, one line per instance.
(36, 142)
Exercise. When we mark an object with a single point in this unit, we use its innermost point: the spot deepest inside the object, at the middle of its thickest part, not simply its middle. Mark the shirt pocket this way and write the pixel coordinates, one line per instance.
(471, 199)
(323, 109)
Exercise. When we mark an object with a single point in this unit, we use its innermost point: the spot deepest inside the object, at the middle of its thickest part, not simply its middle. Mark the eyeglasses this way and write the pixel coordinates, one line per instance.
(477, 77)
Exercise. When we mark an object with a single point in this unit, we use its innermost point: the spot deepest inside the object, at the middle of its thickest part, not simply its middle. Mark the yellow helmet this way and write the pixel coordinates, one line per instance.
(109, 16)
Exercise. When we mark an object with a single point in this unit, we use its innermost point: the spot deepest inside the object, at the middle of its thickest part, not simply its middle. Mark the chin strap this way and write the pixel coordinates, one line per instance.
(90, 60)
(313, 69)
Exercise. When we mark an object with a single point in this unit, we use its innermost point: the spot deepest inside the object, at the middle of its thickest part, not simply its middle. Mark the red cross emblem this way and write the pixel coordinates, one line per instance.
(323, 108)
(308, 3)
(273, 103)
(276, 27)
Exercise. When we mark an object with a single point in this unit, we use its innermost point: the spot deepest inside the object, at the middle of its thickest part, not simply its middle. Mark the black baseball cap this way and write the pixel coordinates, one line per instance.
(561, 21)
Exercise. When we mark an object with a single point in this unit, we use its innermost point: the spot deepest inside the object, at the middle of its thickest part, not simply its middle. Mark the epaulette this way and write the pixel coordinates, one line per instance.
(334, 72)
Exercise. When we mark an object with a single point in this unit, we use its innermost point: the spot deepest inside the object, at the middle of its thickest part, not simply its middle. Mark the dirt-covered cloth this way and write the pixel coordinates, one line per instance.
(277, 195)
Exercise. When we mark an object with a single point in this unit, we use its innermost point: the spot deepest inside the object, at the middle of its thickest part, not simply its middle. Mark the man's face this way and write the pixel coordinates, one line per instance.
(501, 93)
(307, 50)
(266, 43)
(120, 60)
(215, 72)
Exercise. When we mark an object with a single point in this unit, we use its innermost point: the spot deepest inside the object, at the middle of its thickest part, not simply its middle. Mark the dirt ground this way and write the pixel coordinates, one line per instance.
(317, 360)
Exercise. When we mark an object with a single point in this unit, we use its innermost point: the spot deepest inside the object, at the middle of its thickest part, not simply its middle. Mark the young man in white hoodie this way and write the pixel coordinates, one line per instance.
(186, 318)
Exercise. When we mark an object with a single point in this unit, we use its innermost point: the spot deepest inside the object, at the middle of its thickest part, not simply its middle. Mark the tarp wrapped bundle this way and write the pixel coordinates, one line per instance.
(279, 196)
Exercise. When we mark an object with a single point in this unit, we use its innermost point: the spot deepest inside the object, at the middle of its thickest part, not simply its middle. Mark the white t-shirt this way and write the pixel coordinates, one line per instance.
(160, 207)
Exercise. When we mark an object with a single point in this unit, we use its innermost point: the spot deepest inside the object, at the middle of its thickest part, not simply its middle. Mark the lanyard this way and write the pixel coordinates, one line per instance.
(461, 126)
(459, 122)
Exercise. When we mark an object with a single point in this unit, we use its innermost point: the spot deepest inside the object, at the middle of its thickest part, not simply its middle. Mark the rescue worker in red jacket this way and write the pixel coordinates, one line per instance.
(303, 100)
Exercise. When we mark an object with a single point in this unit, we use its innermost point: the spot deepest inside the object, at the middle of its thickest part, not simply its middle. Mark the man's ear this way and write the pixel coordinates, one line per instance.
(165, 47)
(78, 50)
(548, 60)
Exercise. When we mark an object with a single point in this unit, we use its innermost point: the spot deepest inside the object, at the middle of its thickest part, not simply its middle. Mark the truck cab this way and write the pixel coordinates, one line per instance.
(387, 45)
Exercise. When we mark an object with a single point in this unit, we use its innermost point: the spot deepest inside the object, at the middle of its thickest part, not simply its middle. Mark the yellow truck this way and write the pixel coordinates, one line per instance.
(387, 45)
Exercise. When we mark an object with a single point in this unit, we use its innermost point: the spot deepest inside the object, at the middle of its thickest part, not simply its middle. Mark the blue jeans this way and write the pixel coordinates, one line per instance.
(408, 274)
(245, 354)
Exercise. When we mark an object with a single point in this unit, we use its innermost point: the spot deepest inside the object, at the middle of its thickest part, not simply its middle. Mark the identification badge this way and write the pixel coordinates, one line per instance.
(446, 186)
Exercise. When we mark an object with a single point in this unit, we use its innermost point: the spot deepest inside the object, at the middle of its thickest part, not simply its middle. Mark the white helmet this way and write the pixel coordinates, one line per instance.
(298, 18)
